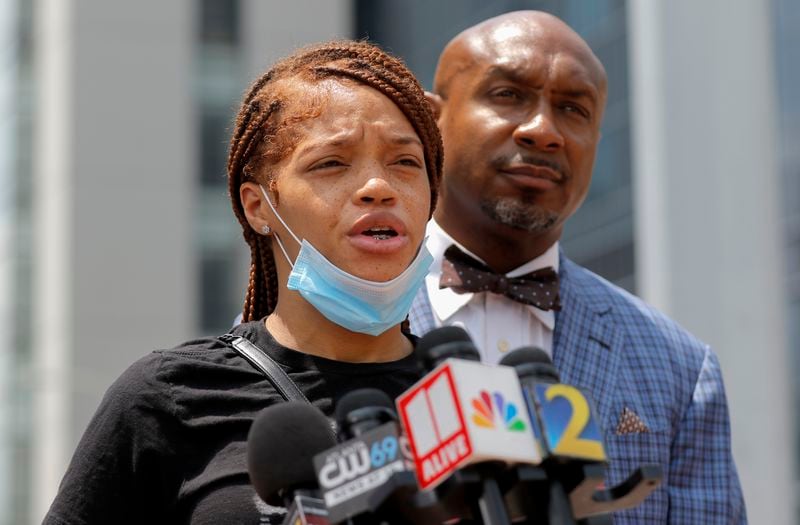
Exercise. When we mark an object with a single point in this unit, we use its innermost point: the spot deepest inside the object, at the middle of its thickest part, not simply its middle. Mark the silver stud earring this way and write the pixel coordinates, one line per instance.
(266, 230)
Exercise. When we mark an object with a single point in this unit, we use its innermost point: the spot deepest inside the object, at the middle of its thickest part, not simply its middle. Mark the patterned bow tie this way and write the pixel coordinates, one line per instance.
(464, 274)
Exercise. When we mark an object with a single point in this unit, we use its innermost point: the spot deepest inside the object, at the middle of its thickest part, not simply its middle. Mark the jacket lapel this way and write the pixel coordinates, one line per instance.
(587, 346)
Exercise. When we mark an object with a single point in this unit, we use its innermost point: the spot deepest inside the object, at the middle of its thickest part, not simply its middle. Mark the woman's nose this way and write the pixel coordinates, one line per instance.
(376, 189)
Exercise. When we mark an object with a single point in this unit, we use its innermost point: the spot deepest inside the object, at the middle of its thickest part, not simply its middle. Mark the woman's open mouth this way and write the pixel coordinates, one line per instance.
(380, 233)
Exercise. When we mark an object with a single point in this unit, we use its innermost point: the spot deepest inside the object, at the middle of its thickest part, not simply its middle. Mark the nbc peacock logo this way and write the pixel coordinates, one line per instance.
(487, 407)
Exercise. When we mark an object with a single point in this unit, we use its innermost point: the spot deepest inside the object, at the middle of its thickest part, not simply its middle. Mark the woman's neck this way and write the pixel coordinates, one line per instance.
(296, 324)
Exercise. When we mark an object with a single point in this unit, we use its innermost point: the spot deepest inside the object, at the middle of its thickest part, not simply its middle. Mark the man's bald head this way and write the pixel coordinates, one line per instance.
(536, 31)
(520, 100)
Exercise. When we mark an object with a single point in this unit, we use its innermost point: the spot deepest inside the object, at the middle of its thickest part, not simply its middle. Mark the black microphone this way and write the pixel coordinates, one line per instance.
(280, 446)
(573, 456)
(369, 477)
(444, 343)
(544, 497)
(362, 410)
(532, 363)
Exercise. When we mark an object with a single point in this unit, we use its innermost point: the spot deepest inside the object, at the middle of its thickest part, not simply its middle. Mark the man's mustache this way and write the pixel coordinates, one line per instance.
(503, 161)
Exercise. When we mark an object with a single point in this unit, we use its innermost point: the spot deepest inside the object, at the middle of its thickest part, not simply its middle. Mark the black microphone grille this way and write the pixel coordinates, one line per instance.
(361, 410)
(440, 336)
(442, 343)
(281, 444)
(531, 361)
(526, 354)
(362, 398)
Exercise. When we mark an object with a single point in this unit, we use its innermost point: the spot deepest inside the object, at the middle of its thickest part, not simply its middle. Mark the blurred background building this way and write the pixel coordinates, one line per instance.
(116, 235)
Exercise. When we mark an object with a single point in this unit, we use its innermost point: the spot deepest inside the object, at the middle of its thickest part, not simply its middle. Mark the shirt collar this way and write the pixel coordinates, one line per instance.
(445, 302)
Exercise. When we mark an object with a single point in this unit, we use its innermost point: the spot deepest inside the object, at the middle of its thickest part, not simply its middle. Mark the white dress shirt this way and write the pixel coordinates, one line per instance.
(496, 323)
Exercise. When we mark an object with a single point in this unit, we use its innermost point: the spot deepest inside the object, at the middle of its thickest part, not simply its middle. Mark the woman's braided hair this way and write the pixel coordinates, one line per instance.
(259, 137)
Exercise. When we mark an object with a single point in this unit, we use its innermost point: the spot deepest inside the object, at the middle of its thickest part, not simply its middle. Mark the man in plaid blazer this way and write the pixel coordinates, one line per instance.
(520, 98)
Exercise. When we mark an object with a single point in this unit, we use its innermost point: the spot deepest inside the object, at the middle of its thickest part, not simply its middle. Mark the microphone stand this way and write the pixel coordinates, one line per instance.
(559, 510)
(491, 506)
(481, 480)
(539, 495)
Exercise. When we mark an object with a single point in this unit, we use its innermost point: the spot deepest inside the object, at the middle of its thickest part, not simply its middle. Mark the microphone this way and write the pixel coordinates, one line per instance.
(280, 446)
(566, 432)
(443, 343)
(573, 456)
(463, 413)
(362, 410)
(369, 478)
(563, 418)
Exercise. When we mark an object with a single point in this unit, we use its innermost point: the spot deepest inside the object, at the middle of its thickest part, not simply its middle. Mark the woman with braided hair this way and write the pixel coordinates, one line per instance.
(333, 172)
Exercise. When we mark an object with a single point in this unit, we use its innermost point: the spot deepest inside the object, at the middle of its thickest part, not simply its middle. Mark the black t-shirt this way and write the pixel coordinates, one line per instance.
(167, 444)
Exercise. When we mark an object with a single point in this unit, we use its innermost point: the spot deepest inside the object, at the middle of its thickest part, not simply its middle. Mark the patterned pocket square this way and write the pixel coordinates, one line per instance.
(630, 423)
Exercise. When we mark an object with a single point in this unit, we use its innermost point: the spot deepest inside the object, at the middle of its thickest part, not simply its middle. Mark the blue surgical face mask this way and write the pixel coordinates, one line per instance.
(359, 305)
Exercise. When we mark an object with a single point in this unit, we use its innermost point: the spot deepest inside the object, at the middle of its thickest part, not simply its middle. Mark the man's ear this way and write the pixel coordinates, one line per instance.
(436, 104)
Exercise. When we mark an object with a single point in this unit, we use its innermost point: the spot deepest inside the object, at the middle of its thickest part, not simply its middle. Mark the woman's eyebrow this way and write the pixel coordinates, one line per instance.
(398, 140)
(330, 143)
(404, 140)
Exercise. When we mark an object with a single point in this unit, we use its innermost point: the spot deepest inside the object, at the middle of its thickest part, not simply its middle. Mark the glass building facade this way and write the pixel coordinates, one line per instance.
(16, 428)
(218, 87)
(787, 56)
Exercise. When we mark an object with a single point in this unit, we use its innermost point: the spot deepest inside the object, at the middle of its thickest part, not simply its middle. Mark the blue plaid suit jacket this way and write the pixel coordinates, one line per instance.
(625, 354)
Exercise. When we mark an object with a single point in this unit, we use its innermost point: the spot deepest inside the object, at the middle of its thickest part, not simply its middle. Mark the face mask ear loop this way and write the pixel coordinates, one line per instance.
(269, 201)
(277, 237)
(286, 255)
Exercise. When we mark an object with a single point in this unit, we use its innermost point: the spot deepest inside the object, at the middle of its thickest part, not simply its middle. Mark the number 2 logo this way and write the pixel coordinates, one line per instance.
(580, 423)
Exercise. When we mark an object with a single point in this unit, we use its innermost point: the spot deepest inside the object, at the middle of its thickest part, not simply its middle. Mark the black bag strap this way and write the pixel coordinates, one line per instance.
(260, 360)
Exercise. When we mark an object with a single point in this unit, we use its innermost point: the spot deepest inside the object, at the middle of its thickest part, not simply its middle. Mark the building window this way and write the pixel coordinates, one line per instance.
(218, 241)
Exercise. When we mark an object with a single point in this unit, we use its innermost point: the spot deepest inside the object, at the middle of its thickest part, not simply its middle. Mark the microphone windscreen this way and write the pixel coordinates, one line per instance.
(531, 360)
(526, 354)
(443, 343)
(362, 398)
(362, 410)
(440, 336)
(281, 444)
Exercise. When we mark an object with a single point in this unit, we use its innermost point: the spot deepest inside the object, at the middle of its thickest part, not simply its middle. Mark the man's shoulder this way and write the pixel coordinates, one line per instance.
(644, 326)
(673, 383)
